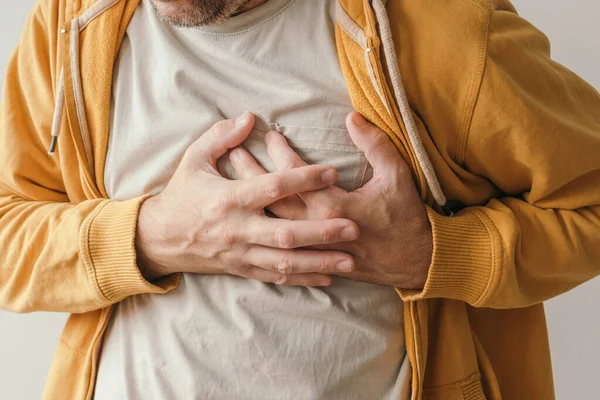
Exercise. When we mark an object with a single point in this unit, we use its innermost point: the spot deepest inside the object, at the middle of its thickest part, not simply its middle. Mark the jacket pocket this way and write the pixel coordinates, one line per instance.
(468, 389)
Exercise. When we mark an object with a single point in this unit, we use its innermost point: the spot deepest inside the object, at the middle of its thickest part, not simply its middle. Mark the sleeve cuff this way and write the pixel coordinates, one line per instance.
(108, 251)
(462, 264)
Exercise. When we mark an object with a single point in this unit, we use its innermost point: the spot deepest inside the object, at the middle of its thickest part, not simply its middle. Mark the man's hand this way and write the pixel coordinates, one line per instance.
(204, 223)
(395, 244)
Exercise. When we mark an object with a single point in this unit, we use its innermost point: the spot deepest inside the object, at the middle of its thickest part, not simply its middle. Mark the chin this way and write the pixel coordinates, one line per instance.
(191, 13)
(173, 11)
(171, 7)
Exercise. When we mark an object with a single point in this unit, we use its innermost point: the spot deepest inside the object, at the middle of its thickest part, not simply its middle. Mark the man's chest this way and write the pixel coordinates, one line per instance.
(170, 85)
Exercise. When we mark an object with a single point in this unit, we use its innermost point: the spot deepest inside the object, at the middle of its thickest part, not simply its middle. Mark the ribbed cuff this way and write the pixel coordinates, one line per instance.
(462, 263)
(108, 249)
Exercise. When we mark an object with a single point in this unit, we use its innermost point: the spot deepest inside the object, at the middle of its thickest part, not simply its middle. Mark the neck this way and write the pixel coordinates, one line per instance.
(250, 4)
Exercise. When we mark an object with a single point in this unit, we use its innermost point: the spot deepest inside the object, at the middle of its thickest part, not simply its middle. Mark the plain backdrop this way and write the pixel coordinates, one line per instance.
(27, 342)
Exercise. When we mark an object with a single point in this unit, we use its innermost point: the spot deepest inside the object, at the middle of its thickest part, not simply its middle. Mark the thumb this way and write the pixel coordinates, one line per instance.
(377, 146)
(222, 136)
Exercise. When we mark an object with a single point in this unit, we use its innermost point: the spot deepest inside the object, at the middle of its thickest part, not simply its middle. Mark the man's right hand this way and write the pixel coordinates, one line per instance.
(203, 223)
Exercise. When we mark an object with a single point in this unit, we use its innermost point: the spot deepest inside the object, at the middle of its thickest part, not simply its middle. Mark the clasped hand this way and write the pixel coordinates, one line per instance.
(204, 223)
(395, 243)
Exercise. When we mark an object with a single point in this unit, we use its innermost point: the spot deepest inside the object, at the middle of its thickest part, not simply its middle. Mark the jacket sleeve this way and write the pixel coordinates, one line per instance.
(535, 135)
(55, 255)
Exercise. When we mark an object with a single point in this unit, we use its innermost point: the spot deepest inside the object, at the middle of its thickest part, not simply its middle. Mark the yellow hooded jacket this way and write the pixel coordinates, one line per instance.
(503, 143)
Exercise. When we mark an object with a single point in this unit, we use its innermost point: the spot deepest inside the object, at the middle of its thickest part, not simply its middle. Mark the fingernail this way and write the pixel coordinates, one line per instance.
(329, 176)
(349, 233)
(344, 266)
(242, 119)
(358, 120)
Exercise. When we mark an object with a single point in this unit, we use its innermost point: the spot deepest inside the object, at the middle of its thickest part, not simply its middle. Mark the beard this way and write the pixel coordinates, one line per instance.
(192, 13)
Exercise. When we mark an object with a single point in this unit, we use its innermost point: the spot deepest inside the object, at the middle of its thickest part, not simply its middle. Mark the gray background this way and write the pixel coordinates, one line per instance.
(27, 342)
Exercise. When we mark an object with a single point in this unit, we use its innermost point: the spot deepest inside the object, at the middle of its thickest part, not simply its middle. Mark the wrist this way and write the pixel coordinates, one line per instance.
(148, 240)
(422, 254)
(427, 255)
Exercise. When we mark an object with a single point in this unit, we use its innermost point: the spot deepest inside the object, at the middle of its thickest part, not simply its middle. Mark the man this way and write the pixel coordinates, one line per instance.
(205, 251)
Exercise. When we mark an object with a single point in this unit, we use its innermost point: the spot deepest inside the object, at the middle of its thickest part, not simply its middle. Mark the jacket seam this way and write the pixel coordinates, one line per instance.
(478, 4)
(73, 350)
(353, 30)
(38, 8)
(456, 385)
(72, 10)
(11, 191)
(474, 89)
(95, 10)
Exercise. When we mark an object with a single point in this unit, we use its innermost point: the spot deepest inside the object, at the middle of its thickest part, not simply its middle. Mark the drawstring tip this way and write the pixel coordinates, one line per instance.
(53, 145)
(448, 210)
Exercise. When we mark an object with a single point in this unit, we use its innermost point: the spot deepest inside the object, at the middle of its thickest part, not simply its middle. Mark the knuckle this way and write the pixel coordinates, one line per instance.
(275, 187)
(331, 211)
(231, 261)
(403, 171)
(388, 190)
(288, 164)
(375, 148)
(285, 266)
(239, 270)
(284, 238)
(283, 280)
(324, 266)
(327, 235)
(226, 202)
(228, 236)
(219, 128)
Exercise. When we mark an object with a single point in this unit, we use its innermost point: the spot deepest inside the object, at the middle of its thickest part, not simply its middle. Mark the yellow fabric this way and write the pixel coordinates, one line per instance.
(514, 139)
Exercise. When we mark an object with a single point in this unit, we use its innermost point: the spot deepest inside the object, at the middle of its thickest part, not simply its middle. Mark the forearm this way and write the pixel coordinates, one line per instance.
(68, 258)
(511, 254)
(534, 136)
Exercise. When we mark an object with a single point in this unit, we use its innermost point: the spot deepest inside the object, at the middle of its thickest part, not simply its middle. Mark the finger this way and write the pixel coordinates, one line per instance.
(285, 158)
(222, 136)
(306, 280)
(285, 234)
(264, 190)
(280, 152)
(246, 166)
(300, 261)
(292, 208)
(378, 148)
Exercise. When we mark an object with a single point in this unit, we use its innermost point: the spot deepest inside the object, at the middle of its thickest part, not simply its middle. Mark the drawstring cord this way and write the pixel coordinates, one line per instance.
(58, 112)
(405, 111)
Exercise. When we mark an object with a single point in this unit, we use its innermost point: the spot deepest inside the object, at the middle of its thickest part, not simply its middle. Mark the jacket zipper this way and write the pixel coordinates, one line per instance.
(414, 312)
(105, 317)
(416, 348)
(389, 102)
(78, 94)
(70, 84)
(73, 107)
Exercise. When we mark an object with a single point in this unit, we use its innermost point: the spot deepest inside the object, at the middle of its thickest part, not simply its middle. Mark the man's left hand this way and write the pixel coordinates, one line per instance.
(395, 243)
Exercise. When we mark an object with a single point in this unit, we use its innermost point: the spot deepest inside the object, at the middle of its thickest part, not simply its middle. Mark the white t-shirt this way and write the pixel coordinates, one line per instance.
(224, 337)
